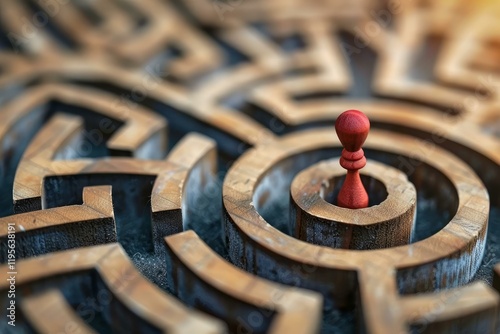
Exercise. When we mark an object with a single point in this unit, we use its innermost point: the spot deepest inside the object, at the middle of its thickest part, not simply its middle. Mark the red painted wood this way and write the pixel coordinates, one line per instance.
(352, 128)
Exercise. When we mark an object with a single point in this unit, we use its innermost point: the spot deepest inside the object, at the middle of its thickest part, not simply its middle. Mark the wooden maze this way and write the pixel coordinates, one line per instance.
(169, 166)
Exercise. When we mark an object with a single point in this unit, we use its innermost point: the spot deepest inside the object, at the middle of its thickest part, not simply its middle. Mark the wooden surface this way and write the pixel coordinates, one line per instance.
(421, 266)
(38, 308)
(323, 223)
(126, 124)
(199, 275)
(142, 299)
(172, 174)
(74, 226)
(445, 311)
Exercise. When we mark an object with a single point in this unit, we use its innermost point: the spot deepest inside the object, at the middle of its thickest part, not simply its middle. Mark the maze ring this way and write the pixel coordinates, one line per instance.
(384, 225)
(448, 258)
(245, 73)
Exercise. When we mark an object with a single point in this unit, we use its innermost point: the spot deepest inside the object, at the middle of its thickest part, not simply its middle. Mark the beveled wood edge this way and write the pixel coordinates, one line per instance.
(297, 308)
(262, 233)
(167, 191)
(451, 305)
(360, 217)
(49, 312)
(394, 113)
(140, 296)
(182, 153)
(97, 204)
(239, 126)
(140, 123)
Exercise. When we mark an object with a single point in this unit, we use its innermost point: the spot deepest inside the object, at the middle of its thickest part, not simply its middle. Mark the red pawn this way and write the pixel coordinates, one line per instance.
(352, 128)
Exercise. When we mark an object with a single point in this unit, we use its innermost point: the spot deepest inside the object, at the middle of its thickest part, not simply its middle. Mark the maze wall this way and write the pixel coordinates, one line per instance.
(170, 166)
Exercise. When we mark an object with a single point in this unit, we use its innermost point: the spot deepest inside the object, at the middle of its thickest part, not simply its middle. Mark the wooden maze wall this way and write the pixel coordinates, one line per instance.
(167, 166)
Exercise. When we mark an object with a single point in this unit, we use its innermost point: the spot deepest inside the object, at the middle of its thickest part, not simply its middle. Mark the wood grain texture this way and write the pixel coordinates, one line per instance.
(138, 76)
(200, 276)
(323, 223)
(141, 299)
(139, 125)
(168, 189)
(421, 266)
(40, 310)
(91, 223)
(471, 309)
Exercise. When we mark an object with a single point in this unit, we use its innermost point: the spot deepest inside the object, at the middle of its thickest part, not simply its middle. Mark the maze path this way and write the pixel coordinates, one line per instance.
(171, 176)
(38, 308)
(246, 75)
(446, 259)
(199, 276)
(132, 299)
(62, 228)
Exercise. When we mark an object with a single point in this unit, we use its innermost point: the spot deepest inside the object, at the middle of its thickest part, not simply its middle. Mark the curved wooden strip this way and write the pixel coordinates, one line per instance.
(470, 309)
(62, 228)
(175, 195)
(203, 279)
(143, 134)
(142, 299)
(317, 221)
(448, 258)
(321, 56)
(48, 312)
(478, 149)
(190, 165)
(176, 98)
(472, 196)
(401, 115)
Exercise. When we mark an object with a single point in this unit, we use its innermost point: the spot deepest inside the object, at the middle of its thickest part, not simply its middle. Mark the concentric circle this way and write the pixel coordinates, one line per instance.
(387, 224)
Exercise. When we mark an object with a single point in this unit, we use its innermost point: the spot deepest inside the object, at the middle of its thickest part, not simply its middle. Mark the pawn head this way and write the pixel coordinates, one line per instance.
(352, 128)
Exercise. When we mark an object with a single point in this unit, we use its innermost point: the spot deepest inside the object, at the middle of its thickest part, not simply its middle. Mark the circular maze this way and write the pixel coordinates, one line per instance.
(172, 166)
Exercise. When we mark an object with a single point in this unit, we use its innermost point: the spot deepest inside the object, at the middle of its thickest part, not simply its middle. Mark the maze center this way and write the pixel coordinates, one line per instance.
(190, 167)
